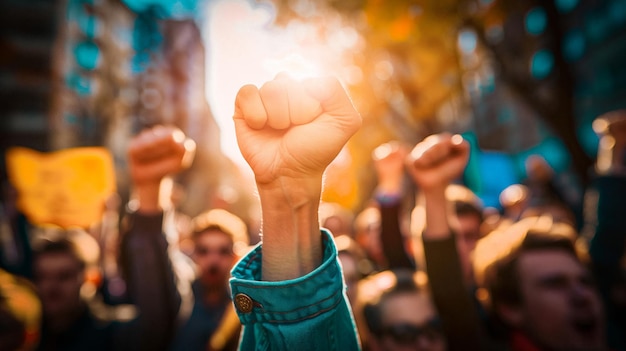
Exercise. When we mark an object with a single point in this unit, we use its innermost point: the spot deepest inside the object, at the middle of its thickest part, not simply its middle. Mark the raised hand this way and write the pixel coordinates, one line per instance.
(154, 154)
(157, 152)
(293, 129)
(288, 132)
(389, 160)
(434, 164)
(438, 160)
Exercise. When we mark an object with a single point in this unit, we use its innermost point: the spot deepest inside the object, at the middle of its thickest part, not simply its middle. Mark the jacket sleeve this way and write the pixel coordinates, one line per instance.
(458, 313)
(307, 313)
(606, 247)
(150, 281)
(391, 236)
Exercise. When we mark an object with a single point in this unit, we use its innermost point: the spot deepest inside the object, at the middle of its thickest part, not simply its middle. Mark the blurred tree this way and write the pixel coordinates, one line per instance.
(418, 54)
(528, 55)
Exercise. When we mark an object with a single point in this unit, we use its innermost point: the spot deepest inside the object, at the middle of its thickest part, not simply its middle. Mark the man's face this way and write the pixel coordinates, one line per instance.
(409, 324)
(561, 309)
(59, 278)
(213, 253)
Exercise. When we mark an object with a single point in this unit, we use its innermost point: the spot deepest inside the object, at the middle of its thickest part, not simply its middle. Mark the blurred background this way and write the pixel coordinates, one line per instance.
(516, 78)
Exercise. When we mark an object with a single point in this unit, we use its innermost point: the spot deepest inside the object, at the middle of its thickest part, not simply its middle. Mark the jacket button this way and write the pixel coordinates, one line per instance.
(243, 303)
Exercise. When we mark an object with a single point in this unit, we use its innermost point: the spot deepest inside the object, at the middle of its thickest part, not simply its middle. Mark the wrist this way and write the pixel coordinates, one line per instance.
(435, 190)
(438, 213)
(386, 198)
(149, 196)
(292, 244)
(290, 192)
(390, 187)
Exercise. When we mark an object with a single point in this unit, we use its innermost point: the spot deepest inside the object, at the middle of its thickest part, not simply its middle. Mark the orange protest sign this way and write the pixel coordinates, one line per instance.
(66, 188)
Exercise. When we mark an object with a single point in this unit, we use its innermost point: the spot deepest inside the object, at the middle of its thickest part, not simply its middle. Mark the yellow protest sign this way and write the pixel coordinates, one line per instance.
(66, 188)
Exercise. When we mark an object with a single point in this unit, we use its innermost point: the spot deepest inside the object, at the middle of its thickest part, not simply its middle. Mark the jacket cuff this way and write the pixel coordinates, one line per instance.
(286, 301)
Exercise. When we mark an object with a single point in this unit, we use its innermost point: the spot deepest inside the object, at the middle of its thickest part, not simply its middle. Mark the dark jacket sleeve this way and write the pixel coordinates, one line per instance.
(150, 281)
(606, 249)
(391, 236)
(457, 309)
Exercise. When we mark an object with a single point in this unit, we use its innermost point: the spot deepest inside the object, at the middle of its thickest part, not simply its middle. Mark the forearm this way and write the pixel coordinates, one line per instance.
(607, 245)
(307, 313)
(147, 195)
(150, 278)
(459, 316)
(438, 213)
(292, 245)
(392, 239)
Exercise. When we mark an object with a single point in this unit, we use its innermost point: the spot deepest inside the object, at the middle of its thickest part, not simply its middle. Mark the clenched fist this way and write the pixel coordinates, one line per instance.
(158, 152)
(293, 129)
(438, 160)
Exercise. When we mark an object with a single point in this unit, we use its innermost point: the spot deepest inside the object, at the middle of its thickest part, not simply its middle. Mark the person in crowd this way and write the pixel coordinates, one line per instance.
(394, 242)
(434, 164)
(514, 201)
(354, 265)
(367, 234)
(336, 218)
(547, 194)
(289, 292)
(219, 237)
(73, 315)
(205, 319)
(467, 211)
(11, 330)
(535, 282)
(15, 250)
(540, 289)
(399, 249)
(20, 313)
(400, 314)
(68, 320)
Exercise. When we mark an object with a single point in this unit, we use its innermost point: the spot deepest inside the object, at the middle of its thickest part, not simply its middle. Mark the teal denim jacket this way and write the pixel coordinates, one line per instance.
(307, 313)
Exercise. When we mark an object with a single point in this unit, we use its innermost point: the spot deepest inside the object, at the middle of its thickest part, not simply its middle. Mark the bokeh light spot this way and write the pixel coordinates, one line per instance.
(88, 25)
(541, 64)
(536, 21)
(573, 45)
(617, 12)
(87, 54)
(383, 70)
(565, 5)
(467, 41)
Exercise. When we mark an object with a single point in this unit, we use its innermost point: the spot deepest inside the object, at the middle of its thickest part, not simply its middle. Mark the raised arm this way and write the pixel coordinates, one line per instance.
(434, 164)
(289, 132)
(389, 160)
(153, 155)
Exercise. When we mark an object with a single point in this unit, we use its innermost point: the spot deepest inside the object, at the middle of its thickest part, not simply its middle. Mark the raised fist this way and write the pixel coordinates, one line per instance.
(158, 152)
(291, 128)
(438, 160)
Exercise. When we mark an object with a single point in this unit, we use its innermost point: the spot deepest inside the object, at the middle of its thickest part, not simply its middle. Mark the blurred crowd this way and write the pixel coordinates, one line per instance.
(431, 270)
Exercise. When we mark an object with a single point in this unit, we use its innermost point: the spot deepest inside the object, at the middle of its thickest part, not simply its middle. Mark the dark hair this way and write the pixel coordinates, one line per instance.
(405, 282)
(57, 246)
(463, 208)
(502, 279)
